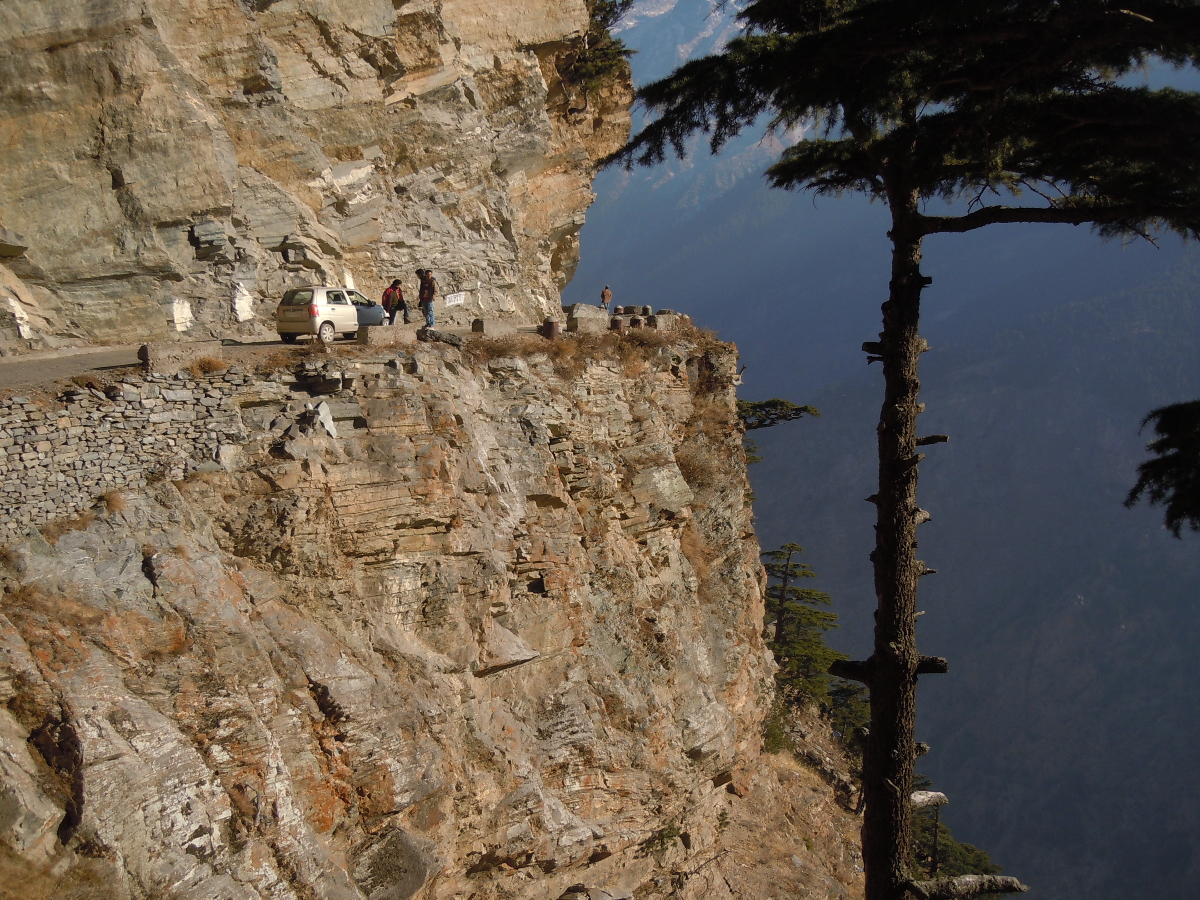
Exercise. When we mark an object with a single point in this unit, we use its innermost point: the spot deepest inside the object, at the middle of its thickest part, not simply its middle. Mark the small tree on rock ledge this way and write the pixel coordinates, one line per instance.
(989, 102)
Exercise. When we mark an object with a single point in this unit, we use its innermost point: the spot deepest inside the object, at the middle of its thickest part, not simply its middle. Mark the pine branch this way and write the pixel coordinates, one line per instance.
(933, 665)
(768, 413)
(852, 670)
(998, 215)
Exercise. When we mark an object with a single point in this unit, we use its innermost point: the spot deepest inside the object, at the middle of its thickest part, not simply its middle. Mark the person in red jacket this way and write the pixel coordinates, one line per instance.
(393, 302)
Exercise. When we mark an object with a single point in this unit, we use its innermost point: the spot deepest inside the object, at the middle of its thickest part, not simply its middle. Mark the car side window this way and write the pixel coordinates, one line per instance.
(336, 297)
(358, 299)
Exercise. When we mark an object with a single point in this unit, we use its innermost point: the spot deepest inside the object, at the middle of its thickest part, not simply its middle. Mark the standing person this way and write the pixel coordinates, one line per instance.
(426, 294)
(605, 298)
(393, 302)
(399, 304)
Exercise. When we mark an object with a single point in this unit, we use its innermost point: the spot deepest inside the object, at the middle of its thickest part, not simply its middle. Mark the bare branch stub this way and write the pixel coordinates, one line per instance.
(852, 670)
(933, 665)
(964, 887)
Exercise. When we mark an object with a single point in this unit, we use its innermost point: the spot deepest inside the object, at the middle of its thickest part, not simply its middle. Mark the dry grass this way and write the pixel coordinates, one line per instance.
(38, 396)
(52, 531)
(278, 359)
(697, 550)
(570, 354)
(114, 501)
(207, 365)
(100, 380)
(85, 879)
(699, 466)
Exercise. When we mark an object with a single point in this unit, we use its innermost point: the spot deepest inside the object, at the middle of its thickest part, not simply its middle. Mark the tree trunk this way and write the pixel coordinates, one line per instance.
(890, 749)
(781, 610)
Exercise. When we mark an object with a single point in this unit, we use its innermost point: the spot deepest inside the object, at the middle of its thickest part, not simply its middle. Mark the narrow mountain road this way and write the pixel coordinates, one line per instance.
(45, 366)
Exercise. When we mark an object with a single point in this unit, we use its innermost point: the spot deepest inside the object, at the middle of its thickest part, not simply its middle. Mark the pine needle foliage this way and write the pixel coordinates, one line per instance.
(756, 414)
(907, 101)
(799, 621)
(795, 624)
(602, 57)
(1172, 478)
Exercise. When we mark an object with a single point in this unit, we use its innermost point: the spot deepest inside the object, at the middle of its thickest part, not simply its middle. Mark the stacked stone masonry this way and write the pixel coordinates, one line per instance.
(55, 460)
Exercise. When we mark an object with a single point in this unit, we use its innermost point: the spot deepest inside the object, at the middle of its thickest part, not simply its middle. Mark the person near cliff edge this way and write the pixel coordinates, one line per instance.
(605, 298)
(393, 302)
(426, 294)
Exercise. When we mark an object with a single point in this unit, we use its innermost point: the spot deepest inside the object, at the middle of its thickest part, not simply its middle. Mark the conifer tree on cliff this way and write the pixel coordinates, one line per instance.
(1010, 111)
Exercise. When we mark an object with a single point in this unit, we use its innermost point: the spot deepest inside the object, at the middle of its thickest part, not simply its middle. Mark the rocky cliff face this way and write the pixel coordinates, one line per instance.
(479, 623)
(171, 166)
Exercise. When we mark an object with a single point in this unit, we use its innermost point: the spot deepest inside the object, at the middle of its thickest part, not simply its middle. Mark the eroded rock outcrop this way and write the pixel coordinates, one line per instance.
(173, 165)
(479, 623)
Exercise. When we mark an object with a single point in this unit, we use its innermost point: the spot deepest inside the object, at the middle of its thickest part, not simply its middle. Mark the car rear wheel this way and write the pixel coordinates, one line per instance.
(327, 333)
(289, 338)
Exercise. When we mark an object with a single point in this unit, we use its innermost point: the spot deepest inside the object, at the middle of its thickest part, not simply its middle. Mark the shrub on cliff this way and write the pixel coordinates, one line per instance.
(795, 625)
(602, 57)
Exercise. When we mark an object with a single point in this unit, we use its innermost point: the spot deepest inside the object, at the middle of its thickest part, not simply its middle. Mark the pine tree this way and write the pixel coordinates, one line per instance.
(1018, 109)
(937, 851)
(755, 414)
(601, 56)
(1172, 479)
(796, 633)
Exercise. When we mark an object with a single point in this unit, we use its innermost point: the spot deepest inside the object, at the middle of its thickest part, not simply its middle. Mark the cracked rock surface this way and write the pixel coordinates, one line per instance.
(172, 166)
(480, 628)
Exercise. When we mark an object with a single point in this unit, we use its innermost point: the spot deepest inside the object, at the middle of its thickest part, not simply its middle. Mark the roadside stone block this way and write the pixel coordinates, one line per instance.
(588, 325)
(168, 359)
(493, 327)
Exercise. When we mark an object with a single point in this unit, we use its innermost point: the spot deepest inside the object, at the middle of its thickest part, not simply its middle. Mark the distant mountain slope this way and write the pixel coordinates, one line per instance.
(1065, 733)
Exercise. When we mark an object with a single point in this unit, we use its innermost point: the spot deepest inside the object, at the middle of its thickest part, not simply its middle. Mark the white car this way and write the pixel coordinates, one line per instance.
(325, 311)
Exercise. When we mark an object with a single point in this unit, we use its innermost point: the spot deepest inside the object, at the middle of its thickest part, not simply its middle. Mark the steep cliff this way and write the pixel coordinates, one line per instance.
(479, 623)
(170, 166)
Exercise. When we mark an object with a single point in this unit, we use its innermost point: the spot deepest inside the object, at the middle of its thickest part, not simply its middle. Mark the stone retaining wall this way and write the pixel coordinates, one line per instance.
(56, 459)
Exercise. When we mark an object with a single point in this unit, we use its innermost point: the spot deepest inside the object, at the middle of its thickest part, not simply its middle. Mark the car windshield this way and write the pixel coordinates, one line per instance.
(297, 298)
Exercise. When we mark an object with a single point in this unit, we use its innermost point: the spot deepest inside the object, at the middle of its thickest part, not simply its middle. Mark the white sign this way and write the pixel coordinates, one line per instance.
(457, 299)
(182, 312)
(243, 303)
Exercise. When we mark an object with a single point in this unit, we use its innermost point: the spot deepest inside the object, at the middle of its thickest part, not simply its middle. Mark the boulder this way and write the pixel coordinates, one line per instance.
(493, 327)
(428, 335)
(11, 243)
(584, 311)
(664, 321)
(588, 324)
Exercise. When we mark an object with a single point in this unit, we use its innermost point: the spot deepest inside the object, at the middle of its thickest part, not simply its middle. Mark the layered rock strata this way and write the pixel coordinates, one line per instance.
(479, 623)
(173, 165)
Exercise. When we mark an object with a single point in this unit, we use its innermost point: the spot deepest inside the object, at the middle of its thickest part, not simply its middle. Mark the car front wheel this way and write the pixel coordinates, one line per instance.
(327, 333)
